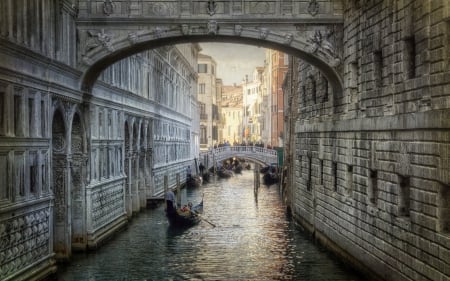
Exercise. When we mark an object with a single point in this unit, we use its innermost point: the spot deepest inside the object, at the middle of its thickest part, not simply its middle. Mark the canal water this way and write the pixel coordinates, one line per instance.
(243, 237)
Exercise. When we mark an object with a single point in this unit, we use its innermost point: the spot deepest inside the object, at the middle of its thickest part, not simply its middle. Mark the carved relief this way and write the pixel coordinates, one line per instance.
(326, 42)
(211, 7)
(163, 9)
(258, 7)
(185, 29)
(288, 38)
(23, 240)
(108, 7)
(96, 39)
(238, 30)
(212, 27)
(132, 37)
(158, 32)
(59, 188)
(107, 204)
(263, 33)
(313, 7)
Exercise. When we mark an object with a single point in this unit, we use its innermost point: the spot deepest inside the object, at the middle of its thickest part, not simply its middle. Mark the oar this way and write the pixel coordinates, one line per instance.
(206, 220)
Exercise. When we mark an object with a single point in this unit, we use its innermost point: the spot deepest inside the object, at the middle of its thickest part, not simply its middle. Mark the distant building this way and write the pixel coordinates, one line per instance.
(252, 100)
(232, 108)
(278, 65)
(207, 98)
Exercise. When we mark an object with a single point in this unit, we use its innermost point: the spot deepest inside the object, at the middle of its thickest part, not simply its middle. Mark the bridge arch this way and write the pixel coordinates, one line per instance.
(260, 155)
(110, 49)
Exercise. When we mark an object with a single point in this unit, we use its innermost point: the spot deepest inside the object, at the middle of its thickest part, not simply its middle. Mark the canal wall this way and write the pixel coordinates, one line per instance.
(369, 168)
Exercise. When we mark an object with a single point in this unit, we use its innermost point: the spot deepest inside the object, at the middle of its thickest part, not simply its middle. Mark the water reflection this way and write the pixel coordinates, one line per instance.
(252, 240)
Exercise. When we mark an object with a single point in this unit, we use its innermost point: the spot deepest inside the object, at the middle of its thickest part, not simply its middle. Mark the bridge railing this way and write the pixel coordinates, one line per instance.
(255, 153)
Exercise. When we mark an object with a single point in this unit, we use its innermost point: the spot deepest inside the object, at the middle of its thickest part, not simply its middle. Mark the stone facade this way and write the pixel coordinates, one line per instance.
(75, 167)
(369, 173)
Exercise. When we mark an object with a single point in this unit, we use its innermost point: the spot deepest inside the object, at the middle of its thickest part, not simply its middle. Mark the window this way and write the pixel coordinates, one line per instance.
(349, 181)
(335, 178)
(444, 208)
(203, 139)
(353, 83)
(410, 57)
(403, 196)
(203, 68)
(321, 171)
(378, 68)
(373, 187)
(325, 88)
(202, 87)
(309, 183)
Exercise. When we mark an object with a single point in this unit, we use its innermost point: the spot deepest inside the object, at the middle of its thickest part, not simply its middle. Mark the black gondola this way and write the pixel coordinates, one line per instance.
(194, 181)
(269, 179)
(185, 217)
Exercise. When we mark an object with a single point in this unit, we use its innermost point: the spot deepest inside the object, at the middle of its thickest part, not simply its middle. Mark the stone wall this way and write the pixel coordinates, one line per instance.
(370, 176)
(75, 166)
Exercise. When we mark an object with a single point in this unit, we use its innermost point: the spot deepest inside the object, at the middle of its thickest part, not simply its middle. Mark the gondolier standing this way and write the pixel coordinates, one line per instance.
(170, 202)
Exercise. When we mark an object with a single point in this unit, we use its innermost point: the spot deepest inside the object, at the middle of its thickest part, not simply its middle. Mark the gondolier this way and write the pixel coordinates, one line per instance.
(170, 202)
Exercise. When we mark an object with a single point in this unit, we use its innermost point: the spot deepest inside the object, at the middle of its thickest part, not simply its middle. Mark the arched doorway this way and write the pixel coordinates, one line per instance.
(61, 221)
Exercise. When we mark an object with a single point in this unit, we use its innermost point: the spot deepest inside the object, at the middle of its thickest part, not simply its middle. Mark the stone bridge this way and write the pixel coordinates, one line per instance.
(111, 30)
(260, 155)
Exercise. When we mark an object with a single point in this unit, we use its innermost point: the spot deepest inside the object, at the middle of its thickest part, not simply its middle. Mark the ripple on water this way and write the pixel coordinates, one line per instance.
(252, 240)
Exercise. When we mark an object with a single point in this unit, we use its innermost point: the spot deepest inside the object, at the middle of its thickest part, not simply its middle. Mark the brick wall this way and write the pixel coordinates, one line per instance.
(371, 167)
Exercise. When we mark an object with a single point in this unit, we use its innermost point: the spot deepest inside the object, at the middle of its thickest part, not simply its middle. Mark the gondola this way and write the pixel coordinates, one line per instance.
(194, 181)
(269, 179)
(185, 217)
(224, 174)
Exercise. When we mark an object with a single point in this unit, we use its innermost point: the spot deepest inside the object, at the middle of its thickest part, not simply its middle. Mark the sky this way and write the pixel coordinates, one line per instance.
(234, 61)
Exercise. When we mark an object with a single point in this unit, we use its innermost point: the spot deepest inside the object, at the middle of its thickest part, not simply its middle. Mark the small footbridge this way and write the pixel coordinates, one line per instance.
(260, 155)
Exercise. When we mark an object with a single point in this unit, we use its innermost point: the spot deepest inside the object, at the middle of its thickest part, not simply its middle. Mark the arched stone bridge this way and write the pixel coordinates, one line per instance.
(111, 30)
(261, 155)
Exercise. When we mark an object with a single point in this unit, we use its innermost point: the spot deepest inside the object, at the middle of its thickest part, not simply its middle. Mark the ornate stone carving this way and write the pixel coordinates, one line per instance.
(260, 7)
(108, 7)
(323, 41)
(212, 27)
(288, 38)
(263, 33)
(96, 39)
(211, 7)
(132, 37)
(238, 30)
(313, 7)
(163, 9)
(107, 204)
(24, 239)
(185, 29)
(158, 32)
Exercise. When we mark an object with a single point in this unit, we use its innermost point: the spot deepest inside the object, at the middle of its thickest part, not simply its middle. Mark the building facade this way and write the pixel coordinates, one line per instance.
(207, 98)
(252, 103)
(76, 167)
(232, 108)
(278, 68)
(368, 169)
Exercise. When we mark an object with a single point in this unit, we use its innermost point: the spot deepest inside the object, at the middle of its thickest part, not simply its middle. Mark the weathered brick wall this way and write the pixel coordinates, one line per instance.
(371, 167)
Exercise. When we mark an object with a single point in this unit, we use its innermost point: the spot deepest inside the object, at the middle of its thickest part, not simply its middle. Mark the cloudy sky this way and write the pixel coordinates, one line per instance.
(234, 61)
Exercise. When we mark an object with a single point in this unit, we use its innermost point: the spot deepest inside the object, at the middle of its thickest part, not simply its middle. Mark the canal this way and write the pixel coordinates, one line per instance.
(247, 237)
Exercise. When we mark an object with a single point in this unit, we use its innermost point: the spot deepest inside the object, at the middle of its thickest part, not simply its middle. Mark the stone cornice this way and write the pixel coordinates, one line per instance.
(243, 20)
